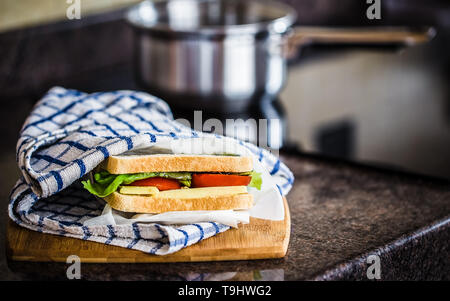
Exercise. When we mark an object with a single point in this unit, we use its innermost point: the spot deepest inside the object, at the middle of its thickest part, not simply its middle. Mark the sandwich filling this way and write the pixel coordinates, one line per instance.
(105, 183)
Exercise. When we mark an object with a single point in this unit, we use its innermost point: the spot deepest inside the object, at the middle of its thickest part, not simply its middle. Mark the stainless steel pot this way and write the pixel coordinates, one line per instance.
(223, 55)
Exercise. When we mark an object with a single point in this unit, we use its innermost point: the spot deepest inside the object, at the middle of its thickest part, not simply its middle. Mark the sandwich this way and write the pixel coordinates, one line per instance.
(140, 182)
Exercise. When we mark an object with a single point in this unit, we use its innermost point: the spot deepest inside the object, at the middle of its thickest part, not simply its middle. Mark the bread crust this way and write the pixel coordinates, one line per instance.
(177, 163)
(155, 204)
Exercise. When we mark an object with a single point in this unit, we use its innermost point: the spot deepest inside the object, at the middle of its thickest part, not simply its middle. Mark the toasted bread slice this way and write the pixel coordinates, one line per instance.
(209, 198)
(132, 163)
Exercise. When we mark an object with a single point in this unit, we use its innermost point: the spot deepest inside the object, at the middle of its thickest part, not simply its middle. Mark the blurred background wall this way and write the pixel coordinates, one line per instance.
(379, 107)
(389, 107)
(16, 14)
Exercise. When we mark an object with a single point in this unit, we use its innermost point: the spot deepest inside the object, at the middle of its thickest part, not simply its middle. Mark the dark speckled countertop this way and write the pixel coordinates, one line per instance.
(341, 212)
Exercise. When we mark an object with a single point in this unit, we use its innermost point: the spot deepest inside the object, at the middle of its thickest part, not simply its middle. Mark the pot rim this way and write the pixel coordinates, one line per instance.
(278, 25)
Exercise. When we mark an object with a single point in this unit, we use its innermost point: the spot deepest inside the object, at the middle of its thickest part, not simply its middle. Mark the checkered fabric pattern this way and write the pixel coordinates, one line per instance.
(68, 133)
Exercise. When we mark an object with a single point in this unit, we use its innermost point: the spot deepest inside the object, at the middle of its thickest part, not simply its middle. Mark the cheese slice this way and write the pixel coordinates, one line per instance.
(184, 193)
(203, 192)
(140, 190)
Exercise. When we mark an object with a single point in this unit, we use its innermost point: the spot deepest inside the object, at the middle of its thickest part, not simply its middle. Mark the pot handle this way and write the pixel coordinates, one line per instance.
(399, 36)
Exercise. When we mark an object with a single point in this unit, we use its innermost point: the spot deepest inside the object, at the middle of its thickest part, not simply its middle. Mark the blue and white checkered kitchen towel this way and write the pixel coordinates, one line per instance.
(68, 133)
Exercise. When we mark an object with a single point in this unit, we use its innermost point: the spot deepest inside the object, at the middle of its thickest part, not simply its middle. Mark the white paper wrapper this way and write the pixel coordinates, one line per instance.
(268, 201)
(231, 218)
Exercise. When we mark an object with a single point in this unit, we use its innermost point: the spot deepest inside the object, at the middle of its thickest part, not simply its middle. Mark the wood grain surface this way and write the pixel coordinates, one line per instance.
(257, 240)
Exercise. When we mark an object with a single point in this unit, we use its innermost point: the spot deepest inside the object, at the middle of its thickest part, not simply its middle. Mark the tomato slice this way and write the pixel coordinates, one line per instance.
(214, 180)
(158, 182)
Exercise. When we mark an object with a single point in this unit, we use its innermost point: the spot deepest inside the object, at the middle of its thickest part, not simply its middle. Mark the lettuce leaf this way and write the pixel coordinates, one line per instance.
(256, 181)
(105, 183)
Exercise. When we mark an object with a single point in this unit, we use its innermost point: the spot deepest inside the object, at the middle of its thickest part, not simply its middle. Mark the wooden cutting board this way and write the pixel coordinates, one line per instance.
(257, 240)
